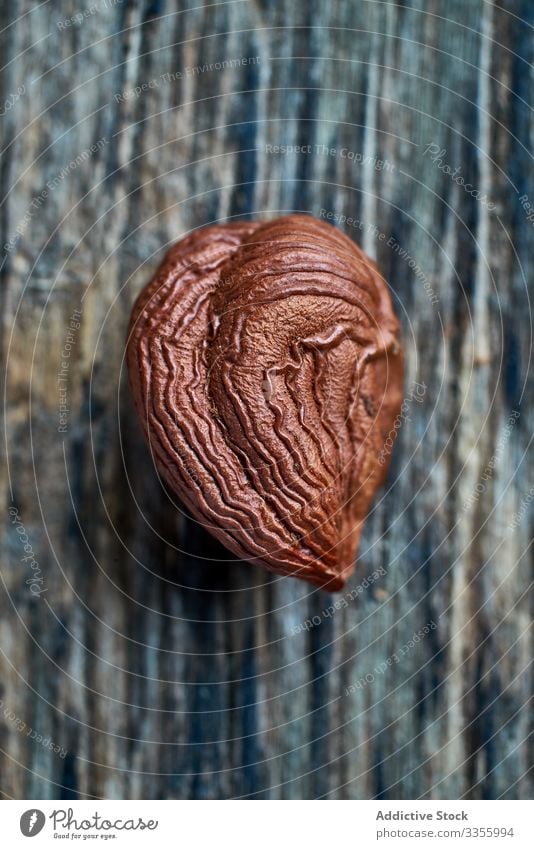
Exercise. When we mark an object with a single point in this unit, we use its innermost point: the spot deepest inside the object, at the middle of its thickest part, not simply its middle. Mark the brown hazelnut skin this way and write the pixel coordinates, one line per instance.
(266, 371)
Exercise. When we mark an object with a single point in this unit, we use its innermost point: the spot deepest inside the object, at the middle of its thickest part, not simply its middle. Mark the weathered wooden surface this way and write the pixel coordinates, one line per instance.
(161, 670)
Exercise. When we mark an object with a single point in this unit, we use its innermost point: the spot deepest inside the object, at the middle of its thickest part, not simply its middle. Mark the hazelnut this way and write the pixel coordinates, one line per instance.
(266, 371)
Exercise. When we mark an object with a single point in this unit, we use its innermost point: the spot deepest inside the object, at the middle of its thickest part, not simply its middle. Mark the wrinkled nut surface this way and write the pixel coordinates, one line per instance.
(267, 373)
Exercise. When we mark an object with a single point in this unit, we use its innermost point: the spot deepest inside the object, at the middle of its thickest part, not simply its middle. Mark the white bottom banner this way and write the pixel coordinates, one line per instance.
(261, 825)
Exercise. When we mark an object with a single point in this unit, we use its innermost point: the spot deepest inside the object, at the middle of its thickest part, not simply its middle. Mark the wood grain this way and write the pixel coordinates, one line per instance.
(161, 670)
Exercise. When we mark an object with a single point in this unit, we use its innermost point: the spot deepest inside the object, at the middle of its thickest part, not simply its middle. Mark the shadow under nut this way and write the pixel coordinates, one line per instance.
(266, 371)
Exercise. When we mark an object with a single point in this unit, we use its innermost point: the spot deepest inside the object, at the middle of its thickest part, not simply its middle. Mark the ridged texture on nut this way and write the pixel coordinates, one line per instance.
(266, 372)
